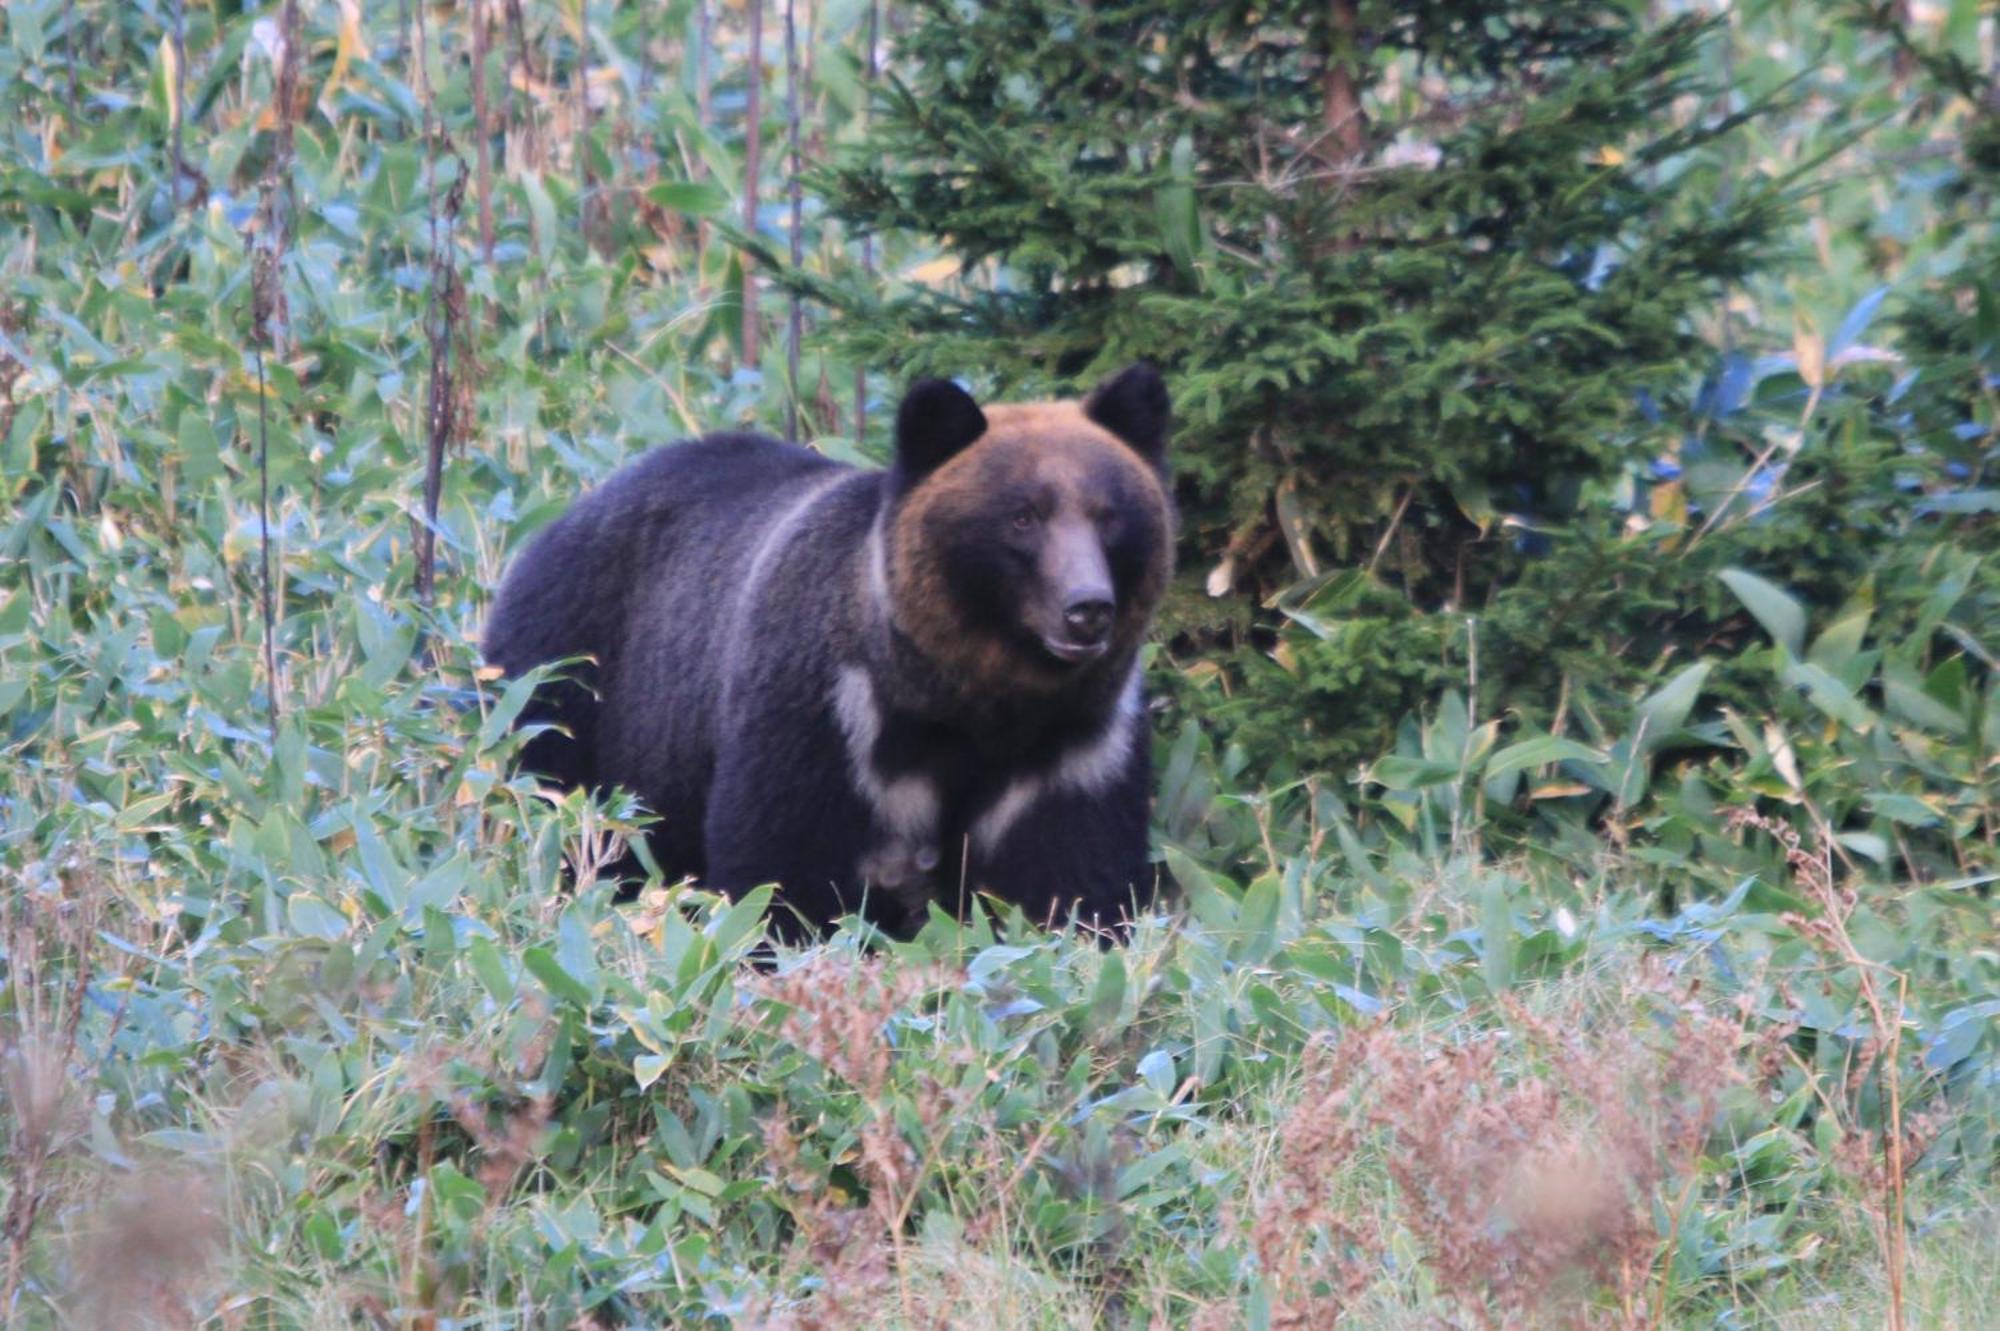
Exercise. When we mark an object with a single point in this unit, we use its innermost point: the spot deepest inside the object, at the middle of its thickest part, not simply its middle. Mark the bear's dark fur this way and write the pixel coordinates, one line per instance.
(875, 689)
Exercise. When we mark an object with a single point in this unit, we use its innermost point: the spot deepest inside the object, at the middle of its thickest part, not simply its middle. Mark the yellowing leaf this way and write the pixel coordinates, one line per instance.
(1810, 349)
(170, 79)
(936, 270)
(1782, 756)
(349, 43)
(1668, 502)
(1202, 672)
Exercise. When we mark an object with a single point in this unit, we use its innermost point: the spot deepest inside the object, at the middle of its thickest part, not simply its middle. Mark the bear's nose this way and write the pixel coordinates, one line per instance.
(1088, 619)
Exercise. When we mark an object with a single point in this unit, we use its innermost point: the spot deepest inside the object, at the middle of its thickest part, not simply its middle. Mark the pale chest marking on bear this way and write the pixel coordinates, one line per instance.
(877, 555)
(906, 805)
(1084, 770)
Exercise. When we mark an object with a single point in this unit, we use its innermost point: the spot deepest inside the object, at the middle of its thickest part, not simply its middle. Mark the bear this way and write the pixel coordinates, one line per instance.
(879, 689)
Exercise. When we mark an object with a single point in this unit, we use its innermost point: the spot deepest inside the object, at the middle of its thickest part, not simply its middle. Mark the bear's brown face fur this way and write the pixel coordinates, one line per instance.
(1034, 554)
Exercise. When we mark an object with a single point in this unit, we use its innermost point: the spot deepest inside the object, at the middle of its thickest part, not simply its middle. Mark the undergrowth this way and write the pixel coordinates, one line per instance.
(1668, 1004)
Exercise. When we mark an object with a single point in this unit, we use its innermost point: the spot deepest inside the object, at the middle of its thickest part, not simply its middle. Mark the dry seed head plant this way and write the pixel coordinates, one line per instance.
(148, 1252)
(50, 918)
(837, 1008)
(1528, 1163)
(1880, 1161)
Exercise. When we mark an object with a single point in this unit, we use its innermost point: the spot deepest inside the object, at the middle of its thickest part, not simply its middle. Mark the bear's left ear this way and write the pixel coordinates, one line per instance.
(1133, 405)
(937, 420)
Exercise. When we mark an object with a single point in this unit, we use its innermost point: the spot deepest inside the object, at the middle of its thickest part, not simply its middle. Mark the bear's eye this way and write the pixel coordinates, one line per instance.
(1024, 519)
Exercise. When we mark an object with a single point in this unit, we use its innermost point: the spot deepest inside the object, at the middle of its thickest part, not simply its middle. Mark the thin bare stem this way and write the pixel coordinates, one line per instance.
(704, 115)
(180, 99)
(268, 591)
(753, 153)
(794, 316)
(482, 121)
(1389, 533)
(444, 410)
(867, 241)
(269, 316)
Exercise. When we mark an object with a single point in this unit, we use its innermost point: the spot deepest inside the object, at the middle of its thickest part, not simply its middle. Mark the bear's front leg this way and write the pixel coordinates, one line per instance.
(782, 809)
(1061, 852)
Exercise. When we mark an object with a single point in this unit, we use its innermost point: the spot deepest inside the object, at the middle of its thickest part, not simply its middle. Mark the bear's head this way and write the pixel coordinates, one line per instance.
(1028, 544)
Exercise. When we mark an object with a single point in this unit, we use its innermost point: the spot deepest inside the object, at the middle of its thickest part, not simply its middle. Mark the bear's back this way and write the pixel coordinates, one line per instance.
(646, 575)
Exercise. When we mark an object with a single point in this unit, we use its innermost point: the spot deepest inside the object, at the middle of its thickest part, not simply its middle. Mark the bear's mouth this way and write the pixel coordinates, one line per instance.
(1074, 653)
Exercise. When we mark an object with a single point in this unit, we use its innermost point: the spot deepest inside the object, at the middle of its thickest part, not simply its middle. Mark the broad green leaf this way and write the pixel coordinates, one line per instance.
(1840, 641)
(1156, 1069)
(1257, 922)
(1908, 700)
(1496, 934)
(1866, 843)
(729, 928)
(1665, 710)
(314, 918)
(1107, 996)
(1905, 809)
(1179, 224)
(1829, 695)
(512, 699)
(490, 968)
(542, 964)
(1146, 1168)
(543, 210)
(1782, 616)
(1540, 752)
(14, 613)
(1398, 772)
(697, 198)
(1213, 900)
(201, 457)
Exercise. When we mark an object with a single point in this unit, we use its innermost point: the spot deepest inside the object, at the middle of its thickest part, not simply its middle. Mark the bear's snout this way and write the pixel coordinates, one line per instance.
(1080, 604)
(1088, 618)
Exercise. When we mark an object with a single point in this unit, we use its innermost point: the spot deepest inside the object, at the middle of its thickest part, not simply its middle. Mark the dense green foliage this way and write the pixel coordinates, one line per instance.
(1645, 976)
(1432, 330)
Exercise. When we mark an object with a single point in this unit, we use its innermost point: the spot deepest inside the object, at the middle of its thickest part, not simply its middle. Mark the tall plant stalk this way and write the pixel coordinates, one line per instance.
(869, 71)
(483, 129)
(753, 152)
(794, 315)
(268, 318)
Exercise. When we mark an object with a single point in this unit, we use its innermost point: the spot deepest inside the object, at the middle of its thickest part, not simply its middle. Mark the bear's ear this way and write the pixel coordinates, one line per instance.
(1133, 405)
(937, 420)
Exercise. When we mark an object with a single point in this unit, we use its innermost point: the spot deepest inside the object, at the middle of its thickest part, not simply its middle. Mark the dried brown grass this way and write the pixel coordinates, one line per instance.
(50, 916)
(1879, 1160)
(1526, 1163)
(837, 1009)
(149, 1252)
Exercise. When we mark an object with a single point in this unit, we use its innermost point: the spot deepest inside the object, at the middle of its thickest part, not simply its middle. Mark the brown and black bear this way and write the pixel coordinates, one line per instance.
(876, 689)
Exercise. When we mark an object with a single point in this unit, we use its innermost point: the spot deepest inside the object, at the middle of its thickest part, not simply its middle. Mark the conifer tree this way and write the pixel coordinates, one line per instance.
(1421, 276)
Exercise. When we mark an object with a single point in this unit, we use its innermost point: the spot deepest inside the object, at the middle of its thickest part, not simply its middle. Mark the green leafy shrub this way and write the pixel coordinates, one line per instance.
(1410, 269)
